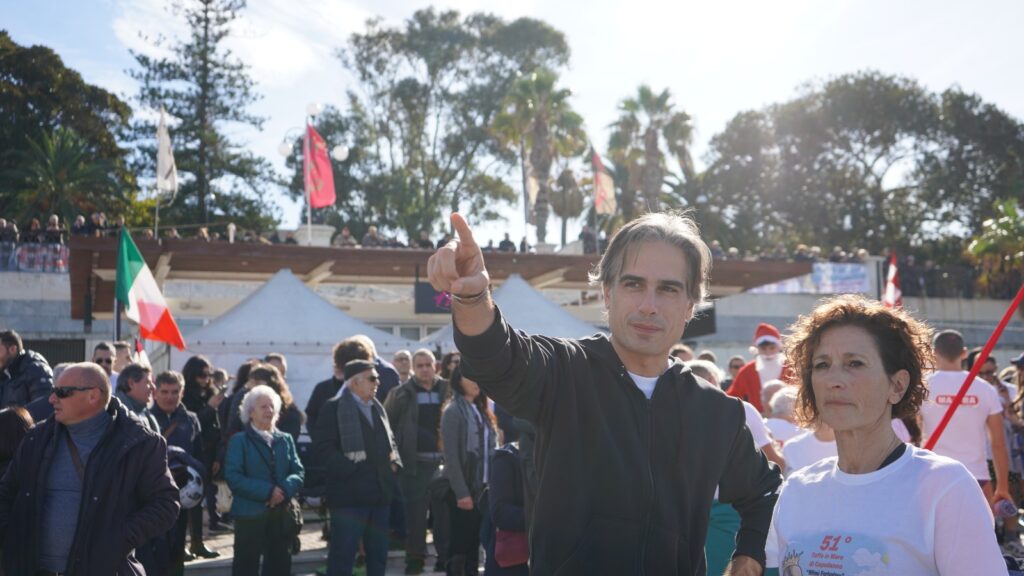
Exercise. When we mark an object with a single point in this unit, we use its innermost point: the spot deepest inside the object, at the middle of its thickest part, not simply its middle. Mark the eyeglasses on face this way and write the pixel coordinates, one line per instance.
(66, 391)
(735, 366)
(987, 373)
(103, 361)
(373, 378)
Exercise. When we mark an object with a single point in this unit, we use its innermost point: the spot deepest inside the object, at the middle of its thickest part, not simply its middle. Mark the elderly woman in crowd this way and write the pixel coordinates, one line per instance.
(264, 473)
(468, 432)
(880, 505)
(291, 417)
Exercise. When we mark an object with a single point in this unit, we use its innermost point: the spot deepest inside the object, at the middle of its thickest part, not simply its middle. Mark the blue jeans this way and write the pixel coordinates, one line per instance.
(349, 526)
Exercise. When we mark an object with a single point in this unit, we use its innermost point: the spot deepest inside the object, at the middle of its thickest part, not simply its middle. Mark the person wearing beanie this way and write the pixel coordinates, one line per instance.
(353, 439)
(769, 364)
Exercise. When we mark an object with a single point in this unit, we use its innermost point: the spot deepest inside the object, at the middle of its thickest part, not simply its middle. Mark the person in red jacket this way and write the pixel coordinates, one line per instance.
(769, 364)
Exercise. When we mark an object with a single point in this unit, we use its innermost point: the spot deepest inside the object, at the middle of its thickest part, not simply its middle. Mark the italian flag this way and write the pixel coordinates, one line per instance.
(143, 302)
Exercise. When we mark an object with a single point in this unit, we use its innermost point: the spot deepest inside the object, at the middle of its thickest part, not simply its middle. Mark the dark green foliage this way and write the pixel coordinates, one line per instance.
(419, 119)
(209, 91)
(55, 127)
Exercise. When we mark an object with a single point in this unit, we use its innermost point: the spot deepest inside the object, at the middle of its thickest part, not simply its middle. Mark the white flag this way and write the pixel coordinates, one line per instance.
(166, 171)
(532, 189)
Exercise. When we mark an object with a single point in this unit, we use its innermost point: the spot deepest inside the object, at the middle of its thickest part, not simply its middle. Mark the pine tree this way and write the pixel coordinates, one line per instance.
(208, 90)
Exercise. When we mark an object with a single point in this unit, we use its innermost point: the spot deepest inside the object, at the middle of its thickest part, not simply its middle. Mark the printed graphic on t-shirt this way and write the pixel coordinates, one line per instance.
(947, 399)
(835, 554)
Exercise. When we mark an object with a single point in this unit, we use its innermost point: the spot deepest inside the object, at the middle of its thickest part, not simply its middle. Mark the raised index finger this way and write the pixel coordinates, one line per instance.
(463, 230)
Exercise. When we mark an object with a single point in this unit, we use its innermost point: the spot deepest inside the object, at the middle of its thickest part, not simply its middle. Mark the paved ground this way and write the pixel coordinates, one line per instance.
(307, 562)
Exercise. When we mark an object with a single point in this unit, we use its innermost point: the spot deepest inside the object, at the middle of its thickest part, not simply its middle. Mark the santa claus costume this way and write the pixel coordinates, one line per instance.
(747, 384)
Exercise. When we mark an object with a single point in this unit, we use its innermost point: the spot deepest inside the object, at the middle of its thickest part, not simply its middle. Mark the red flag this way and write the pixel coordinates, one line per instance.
(316, 165)
(893, 296)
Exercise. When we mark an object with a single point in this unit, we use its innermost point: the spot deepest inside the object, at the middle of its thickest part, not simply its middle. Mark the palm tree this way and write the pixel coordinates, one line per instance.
(649, 126)
(60, 174)
(539, 118)
(568, 201)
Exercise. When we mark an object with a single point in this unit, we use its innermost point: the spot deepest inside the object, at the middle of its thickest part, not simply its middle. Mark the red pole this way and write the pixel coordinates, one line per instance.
(975, 369)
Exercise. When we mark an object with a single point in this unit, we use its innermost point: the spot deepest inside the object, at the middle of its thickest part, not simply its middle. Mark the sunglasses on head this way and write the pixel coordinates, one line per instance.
(104, 361)
(66, 391)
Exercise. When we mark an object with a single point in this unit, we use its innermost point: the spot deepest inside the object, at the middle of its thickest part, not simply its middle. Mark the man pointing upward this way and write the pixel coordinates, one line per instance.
(630, 445)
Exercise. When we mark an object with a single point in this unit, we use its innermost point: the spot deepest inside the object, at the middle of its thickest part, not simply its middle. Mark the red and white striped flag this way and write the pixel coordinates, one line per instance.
(893, 296)
(604, 187)
(140, 356)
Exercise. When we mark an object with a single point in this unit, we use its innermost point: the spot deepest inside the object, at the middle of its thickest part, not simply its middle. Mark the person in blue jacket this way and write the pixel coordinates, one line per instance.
(262, 469)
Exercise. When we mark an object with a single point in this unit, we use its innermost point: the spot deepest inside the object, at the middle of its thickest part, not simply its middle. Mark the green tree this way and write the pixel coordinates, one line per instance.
(39, 95)
(60, 174)
(208, 90)
(742, 166)
(977, 159)
(1001, 235)
(864, 159)
(427, 93)
(539, 118)
(567, 200)
(650, 129)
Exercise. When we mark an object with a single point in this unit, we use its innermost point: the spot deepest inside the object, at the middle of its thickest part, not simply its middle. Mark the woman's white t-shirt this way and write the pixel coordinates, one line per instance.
(804, 450)
(922, 514)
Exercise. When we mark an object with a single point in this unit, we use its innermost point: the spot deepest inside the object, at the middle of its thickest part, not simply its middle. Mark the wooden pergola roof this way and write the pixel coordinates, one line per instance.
(93, 264)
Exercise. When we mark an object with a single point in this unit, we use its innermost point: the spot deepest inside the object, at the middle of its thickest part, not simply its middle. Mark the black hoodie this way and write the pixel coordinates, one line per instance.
(625, 483)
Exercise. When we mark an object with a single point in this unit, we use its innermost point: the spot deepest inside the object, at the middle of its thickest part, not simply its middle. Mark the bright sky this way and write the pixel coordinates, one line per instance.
(718, 58)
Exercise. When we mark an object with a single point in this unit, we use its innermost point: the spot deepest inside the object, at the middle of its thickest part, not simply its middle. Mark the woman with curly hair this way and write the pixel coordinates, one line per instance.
(880, 504)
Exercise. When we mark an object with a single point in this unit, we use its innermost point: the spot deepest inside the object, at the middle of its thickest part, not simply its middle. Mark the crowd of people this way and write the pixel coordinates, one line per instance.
(623, 453)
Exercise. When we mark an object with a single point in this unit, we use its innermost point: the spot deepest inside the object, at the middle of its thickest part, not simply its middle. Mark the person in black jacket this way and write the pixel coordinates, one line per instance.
(353, 439)
(87, 486)
(196, 397)
(181, 428)
(630, 445)
(24, 375)
(344, 352)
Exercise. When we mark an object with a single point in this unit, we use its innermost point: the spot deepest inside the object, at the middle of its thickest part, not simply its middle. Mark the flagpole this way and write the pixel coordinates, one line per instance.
(526, 191)
(117, 303)
(156, 223)
(309, 193)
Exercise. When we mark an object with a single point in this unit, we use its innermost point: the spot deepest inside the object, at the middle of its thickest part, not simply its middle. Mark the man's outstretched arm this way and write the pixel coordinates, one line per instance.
(458, 268)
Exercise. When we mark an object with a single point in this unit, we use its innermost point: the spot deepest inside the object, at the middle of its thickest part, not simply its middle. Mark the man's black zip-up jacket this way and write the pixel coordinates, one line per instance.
(625, 483)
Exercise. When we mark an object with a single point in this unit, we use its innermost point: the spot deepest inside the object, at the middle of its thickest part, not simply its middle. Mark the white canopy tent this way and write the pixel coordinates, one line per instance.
(284, 316)
(526, 309)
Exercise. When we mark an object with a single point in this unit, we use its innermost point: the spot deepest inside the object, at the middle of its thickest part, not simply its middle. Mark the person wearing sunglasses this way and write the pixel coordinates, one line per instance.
(103, 355)
(353, 440)
(87, 487)
(734, 365)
